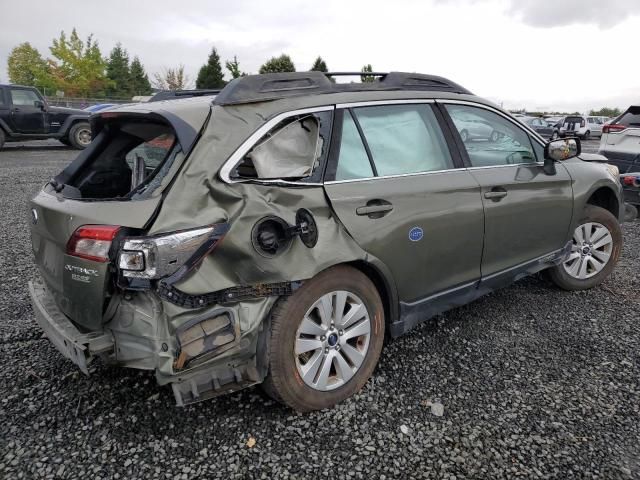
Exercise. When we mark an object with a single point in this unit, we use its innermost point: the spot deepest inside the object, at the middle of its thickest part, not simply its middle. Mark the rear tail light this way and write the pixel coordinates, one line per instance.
(613, 128)
(92, 242)
(163, 255)
(631, 180)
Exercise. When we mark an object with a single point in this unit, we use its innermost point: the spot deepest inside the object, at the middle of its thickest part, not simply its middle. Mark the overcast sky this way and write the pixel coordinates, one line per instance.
(538, 54)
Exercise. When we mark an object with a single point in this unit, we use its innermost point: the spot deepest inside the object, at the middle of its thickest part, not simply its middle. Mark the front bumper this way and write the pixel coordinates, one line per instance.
(78, 347)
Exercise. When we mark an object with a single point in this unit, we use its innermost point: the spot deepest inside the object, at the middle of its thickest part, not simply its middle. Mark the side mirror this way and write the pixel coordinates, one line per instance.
(559, 150)
(562, 149)
(39, 104)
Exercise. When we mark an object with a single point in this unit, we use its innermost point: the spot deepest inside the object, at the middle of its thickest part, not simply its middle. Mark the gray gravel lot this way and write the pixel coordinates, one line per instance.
(535, 382)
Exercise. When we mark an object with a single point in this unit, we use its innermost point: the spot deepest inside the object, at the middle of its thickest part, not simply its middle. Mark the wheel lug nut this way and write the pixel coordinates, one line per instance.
(337, 347)
(326, 350)
(341, 332)
(323, 338)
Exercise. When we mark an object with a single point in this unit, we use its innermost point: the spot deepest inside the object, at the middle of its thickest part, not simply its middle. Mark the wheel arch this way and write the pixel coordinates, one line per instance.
(383, 281)
(606, 198)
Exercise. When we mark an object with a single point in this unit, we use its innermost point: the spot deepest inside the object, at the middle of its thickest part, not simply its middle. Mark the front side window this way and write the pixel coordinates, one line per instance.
(24, 97)
(489, 138)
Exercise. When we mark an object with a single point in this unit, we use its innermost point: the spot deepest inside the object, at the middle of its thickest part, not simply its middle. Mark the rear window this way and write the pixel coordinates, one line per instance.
(129, 161)
(630, 118)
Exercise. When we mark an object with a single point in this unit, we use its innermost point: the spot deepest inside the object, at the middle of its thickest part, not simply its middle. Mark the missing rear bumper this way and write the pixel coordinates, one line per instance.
(78, 347)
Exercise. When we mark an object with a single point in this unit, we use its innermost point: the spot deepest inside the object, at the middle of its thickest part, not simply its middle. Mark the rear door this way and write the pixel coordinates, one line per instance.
(25, 116)
(397, 188)
(527, 213)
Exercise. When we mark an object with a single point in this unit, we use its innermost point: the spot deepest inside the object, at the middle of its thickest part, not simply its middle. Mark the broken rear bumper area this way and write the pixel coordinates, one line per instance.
(78, 347)
(217, 351)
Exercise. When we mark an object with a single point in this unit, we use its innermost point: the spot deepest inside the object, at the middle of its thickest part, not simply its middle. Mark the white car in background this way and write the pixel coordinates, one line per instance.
(594, 125)
(620, 141)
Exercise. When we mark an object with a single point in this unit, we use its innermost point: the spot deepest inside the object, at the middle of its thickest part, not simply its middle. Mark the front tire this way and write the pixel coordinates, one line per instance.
(2, 138)
(597, 241)
(464, 135)
(80, 135)
(586, 135)
(495, 136)
(325, 340)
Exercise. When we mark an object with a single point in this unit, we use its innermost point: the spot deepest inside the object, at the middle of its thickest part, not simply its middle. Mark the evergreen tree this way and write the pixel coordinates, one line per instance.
(282, 63)
(140, 84)
(210, 74)
(319, 65)
(118, 72)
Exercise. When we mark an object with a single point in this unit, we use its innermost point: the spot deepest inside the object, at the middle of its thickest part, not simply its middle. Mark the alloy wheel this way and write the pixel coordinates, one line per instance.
(590, 252)
(332, 340)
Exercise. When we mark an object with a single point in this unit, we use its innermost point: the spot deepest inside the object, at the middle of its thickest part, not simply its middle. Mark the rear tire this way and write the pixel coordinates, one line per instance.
(80, 135)
(464, 135)
(325, 340)
(594, 252)
(2, 137)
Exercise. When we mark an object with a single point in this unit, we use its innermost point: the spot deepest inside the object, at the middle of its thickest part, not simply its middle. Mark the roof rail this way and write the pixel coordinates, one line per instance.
(273, 86)
(176, 94)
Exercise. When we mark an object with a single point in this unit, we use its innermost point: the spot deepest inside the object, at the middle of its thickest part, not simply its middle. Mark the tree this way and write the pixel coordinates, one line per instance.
(172, 79)
(26, 66)
(282, 63)
(140, 84)
(234, 68)
(606, 112)
(367, 78)
(77, 66)
(319, 65)
(118, 72)
(210, 74)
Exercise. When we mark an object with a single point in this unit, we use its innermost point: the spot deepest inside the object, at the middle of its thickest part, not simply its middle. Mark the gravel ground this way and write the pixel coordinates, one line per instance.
(529, 381)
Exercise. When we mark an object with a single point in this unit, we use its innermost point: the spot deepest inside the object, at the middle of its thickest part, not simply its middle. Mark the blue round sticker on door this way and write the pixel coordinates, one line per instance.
(415, 234)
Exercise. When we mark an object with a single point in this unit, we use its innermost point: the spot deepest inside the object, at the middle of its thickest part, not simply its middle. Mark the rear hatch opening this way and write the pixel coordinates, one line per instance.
(128, 161)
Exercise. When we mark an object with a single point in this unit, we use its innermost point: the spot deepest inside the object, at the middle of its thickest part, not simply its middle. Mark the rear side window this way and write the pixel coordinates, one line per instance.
(24, 97)
(128, 162)
(294, 150)
(353, 161)
(403, 139)
(630, 118)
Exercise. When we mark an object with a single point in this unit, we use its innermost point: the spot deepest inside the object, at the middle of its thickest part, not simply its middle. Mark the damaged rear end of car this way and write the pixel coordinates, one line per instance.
(149, 260)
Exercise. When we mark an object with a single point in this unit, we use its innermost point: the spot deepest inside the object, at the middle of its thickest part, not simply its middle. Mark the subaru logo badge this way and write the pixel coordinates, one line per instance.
(34, 216)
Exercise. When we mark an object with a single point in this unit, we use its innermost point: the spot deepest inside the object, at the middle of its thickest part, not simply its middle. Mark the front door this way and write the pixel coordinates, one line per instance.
(394, 185)
(527, 212)
(26, 116)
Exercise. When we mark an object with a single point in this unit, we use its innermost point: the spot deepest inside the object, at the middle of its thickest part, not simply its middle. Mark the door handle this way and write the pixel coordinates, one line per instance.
(375, 208)
(495, 194)
(15, 109)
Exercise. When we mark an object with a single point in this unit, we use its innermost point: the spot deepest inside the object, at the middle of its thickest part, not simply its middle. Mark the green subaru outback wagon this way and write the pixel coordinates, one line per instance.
(275, 233)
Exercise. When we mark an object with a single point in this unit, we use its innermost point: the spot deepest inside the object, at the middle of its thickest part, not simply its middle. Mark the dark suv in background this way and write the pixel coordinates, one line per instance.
(25, 115)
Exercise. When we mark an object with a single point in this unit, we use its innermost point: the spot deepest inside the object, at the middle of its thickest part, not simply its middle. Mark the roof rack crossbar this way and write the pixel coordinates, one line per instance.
(274, 86)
